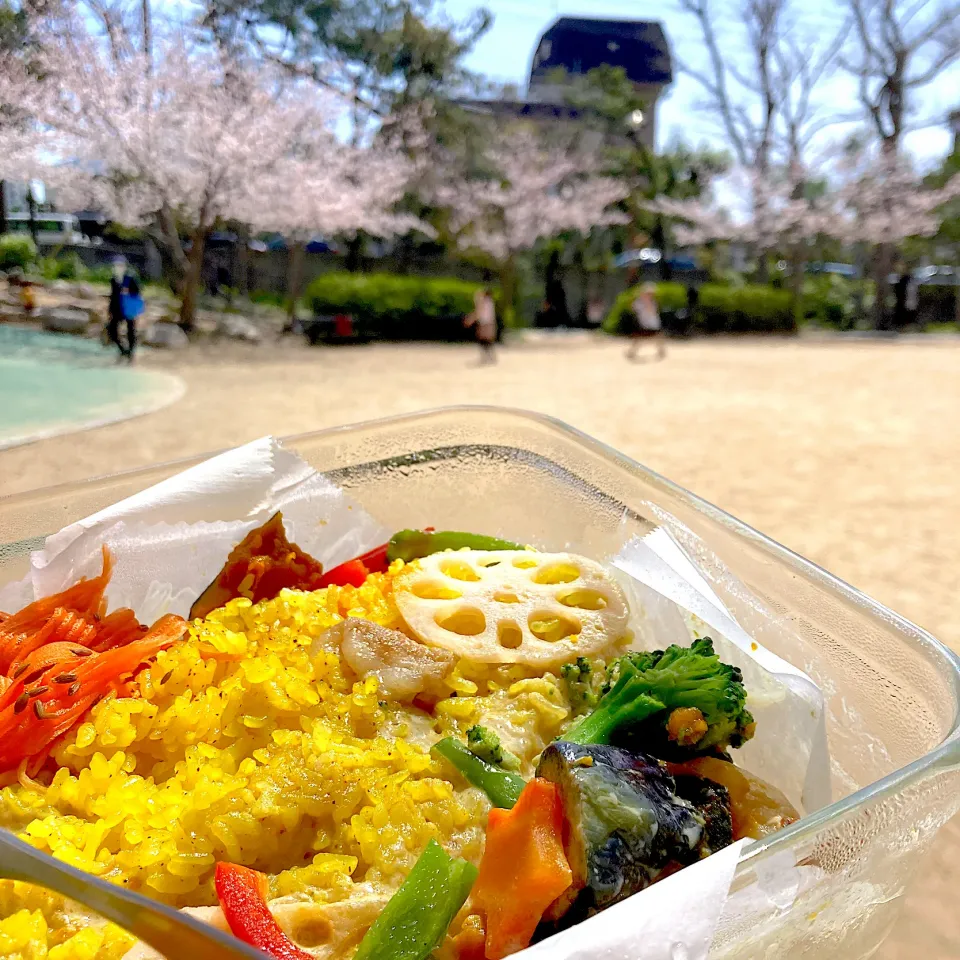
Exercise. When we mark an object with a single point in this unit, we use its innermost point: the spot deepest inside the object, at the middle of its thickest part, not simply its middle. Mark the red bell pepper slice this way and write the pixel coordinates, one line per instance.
(376, 560)
(242, 895)
(354, 572)
(349, 574)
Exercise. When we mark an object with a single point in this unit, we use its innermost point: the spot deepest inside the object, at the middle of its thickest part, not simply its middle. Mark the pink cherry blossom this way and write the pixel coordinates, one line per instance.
(534, 192)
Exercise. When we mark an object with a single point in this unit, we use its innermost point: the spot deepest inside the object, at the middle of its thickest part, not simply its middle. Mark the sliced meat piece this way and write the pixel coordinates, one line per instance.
(330, 931)
(403, 666)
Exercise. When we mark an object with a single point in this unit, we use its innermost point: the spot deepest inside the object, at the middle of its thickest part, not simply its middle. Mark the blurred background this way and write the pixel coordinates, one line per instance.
(230, 218)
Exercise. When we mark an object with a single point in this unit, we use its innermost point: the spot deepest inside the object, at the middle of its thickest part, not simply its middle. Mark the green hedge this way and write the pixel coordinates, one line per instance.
(748, 309)
(937, 303)
(403, 307)
(17, 250)
(69, 267)
(837, 302)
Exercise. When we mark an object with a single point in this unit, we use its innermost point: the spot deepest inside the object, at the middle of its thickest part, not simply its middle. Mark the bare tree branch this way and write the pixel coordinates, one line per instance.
(718, 87)
(897, 48)
(762, 91)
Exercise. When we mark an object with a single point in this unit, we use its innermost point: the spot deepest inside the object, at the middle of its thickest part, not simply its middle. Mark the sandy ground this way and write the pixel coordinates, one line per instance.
(848, 453)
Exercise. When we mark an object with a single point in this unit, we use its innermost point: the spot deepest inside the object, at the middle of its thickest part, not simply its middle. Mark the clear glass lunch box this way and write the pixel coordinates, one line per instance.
(892, 690)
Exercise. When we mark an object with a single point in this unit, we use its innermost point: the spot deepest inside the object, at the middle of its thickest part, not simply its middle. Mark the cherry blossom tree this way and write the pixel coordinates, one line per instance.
(18, 153)
(178, 142)
(874, 199)
(335, 189)
(532, 191)
(774, 213)
(880, 203)
(881, 200)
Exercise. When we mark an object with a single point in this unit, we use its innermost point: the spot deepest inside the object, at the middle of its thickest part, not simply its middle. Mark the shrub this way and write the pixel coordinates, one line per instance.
(268, 298)
(830, 300)
(747, 309)
(103, 273)
(398, 307)
(17, 250)
(70, 267)
(936, 303)
(761, 309)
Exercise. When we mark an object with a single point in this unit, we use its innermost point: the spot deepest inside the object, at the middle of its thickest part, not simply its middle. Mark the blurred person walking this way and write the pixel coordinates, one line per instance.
(912, 300)
(484, 321)
(647, 324)
(126, 305)
(596, 311)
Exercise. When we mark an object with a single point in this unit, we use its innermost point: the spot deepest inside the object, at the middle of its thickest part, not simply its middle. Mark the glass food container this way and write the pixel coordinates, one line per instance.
(828, 886)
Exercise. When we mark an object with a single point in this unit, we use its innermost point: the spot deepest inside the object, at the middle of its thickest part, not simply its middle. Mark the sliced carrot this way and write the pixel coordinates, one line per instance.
(47, 656)
(61, 655)
(85, 598)
(75, 628)
(27, 643)
(117, 630)
(63, 627)
(523, 870)
(33, 715)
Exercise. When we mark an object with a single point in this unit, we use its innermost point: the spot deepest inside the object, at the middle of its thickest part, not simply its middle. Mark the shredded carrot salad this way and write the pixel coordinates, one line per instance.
(60, 656)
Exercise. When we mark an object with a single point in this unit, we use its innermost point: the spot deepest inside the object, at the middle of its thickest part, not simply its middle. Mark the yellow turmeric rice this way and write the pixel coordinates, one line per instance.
(250, 744)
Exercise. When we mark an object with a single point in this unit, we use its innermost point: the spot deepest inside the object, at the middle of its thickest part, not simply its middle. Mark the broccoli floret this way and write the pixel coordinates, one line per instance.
(580, 679)
(483, 743)
(650, 686)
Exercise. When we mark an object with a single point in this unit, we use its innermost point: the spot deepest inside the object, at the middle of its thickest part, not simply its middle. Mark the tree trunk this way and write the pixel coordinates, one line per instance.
(191, 281)
(32, 207)
(241, 278)
(3, 207)
(956, 294)
(508, 292)
(167, 237)
(797, 266)
(147, 32)
(660, 242)
(354, 249)
(763, 267)
(580, 260)
(294, 279)
(883, 264)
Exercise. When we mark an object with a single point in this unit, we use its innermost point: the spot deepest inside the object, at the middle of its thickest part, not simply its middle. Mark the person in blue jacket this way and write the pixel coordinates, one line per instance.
(126, 305)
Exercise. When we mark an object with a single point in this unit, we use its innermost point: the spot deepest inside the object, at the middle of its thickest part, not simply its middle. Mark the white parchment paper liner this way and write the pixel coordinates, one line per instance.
(790, 749)
(170, 541)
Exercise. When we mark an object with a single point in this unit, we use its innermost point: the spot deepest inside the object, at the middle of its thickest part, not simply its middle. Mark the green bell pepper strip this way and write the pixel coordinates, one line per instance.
(416, 918)
(501, 787)
(410, 545)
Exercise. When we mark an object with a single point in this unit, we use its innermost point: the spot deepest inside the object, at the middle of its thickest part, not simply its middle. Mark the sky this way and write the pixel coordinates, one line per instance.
(504, 54)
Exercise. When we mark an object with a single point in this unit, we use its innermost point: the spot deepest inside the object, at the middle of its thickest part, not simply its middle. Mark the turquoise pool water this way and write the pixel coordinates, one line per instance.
(52, 384)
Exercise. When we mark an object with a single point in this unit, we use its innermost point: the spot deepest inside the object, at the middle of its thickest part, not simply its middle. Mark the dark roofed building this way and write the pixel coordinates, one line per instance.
(581, 44)
(578, 45)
